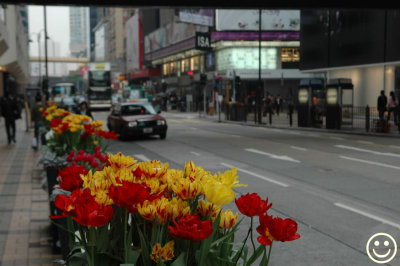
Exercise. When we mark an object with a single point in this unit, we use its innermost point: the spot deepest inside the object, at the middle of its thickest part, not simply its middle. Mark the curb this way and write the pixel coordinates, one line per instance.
(310, 129)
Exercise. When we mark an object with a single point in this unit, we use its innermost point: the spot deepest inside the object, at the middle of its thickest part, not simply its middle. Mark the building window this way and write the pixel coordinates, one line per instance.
(290, 55)
(185, 65)
(290, 58)
(194, 63)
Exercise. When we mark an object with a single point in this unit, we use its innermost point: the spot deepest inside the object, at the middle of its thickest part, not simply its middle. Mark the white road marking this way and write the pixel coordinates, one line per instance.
(370, 162)
(257, 175)
(336, 138)
(235, 136)
(366, 214)
(370, 151)
(141, 157)
(195, 153)
(298, 148)
(364, 142)
(312, 135)
(274, 156)
(193, 128)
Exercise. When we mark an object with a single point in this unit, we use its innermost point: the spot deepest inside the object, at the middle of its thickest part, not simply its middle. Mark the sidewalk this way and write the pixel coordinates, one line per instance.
(282, 122)
(24, 205)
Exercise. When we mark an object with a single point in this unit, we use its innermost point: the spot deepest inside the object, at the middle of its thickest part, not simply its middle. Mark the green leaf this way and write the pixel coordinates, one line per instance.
(180, 261)
(145, 251)
(206, 243)
(77, 259)
(102, 240)
(133, 256)
(241, 253)
(256, 254)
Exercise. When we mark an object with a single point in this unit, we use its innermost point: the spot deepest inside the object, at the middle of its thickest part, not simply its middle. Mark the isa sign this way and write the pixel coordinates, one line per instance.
(203, 41)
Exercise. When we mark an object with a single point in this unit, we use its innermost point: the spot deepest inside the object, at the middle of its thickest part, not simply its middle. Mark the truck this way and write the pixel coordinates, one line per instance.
(99, 92)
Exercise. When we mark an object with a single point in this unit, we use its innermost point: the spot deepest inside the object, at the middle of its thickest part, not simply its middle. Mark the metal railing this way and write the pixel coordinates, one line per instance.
(359, 118)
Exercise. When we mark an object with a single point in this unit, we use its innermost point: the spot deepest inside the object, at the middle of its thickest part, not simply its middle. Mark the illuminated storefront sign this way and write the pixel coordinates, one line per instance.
(246, 58)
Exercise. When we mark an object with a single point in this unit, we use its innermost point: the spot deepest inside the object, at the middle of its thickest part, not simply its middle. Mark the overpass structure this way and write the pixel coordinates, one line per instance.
(81, 60)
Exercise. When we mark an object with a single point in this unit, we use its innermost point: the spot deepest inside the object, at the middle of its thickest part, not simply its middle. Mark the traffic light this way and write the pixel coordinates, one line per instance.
(203, 79)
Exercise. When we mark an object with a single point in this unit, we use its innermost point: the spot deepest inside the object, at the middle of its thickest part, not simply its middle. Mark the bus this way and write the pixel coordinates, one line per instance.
(99, 92)
(64, 95)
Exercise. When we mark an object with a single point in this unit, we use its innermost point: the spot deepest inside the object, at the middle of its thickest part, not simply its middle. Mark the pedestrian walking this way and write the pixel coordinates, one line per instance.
(393, 105)
(36, 118)
(84, 110)
(382, 103)
(10, 112)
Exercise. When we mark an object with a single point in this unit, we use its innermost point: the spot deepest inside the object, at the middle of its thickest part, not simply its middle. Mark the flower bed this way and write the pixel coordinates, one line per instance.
(119, 211)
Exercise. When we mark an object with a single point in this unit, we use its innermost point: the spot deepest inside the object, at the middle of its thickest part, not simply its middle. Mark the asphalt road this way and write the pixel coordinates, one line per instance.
(341, 189)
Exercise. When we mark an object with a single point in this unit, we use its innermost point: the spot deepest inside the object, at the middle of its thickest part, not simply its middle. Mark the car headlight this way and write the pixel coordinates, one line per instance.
(161, 122)
(132, 124)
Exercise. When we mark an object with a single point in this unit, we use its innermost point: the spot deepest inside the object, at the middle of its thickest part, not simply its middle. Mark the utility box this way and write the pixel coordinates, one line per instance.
(311, 102)
(339, 103)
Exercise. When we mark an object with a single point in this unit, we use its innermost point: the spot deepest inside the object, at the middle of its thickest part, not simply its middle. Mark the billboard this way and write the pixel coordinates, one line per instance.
(133, 51)
(246, 58)
(170, 34)
(197, 16)
(247, 20)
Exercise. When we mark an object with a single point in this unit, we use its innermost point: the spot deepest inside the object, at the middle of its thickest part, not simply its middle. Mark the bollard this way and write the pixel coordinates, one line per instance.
(367, 125)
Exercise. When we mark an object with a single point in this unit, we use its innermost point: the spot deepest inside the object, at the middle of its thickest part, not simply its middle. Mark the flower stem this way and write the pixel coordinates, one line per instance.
(188, 252)
(83, 238)
(92, 237)
(251, 236)
(269, 252)
(125, 235)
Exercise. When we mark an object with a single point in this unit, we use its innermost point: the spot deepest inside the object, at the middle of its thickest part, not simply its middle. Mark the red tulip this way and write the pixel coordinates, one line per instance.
(84, 208)
(69, 177)
(55, 122)
(129, 194)
(276, 229)
(192, 228)
(252, 205)
(93, 214)
(67, 203)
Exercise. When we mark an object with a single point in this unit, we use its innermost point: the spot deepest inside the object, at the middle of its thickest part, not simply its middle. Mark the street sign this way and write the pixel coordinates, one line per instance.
(203, 41)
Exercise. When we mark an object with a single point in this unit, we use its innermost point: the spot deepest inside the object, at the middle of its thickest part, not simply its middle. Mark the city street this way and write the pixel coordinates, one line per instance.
(341, 189)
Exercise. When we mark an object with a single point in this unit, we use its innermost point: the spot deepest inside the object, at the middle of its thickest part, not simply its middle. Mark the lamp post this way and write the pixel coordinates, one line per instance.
(39, 55)
(46, 80)
(259, 106)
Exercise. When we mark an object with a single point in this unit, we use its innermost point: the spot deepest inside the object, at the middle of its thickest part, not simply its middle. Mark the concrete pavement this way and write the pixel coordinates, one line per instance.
(24, 205)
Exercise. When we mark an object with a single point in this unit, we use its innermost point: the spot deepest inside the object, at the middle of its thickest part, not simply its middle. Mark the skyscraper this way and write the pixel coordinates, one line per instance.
(79, 32)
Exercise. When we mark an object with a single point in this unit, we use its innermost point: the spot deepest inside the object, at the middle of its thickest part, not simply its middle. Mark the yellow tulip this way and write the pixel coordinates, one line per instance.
(166, 253)
(186, 189)
(228, 219)
(219, 194)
